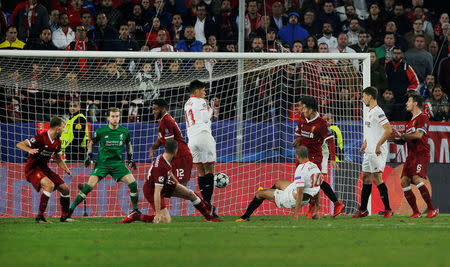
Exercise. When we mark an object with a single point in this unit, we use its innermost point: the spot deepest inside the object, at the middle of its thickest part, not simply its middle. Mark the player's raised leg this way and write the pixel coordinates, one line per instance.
(47, 188)
(260, 195)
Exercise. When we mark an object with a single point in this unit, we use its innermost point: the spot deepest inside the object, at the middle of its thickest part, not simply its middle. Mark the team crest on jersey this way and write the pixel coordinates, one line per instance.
(106, 137)
(312, 129)
(161, 179)
(167, 131)
(121, 136)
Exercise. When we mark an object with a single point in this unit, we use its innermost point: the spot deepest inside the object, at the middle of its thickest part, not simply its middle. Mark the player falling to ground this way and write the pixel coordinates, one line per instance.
(416, 165)
(292, 195)
(112, 139)
(168, 129)
(376, 131)
(161, 184)
(201, 142)
(312, 131)
(40, 149)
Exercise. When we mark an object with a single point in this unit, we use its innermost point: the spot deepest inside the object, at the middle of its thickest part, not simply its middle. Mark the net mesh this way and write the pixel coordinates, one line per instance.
(34, 89)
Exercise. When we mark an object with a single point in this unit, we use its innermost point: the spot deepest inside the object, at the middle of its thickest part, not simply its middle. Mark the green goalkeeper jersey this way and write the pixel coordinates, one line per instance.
(111, 143)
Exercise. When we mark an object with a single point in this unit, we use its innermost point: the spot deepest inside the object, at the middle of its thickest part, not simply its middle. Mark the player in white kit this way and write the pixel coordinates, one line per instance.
(201, 142)
(292, 195)
(376, 131)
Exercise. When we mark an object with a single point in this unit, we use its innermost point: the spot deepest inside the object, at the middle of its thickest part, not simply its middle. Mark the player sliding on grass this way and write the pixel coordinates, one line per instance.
(416, 165)
(161, 183)
(40, 149)
(112, 138)
(292, 195)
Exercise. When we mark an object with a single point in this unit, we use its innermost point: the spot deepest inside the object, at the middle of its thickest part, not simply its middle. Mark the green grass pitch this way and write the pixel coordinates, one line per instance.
(264, 241)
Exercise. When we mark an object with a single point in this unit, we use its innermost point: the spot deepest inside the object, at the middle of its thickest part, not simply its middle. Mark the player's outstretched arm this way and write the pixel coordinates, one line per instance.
(387, 132)
(62, 165)
(412, 136)
(298, 203)
(157, 200)
(24, 146)
(155, 146)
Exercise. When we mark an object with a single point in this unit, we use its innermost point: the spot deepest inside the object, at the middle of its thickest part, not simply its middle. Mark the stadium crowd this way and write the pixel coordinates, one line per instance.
(408, 44)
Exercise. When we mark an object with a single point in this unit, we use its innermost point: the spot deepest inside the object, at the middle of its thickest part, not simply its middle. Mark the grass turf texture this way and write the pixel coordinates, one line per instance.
(264, 241)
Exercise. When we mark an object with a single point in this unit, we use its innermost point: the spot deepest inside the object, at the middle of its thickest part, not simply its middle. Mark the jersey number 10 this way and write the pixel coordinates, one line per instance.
(316, 179)
(191, 114)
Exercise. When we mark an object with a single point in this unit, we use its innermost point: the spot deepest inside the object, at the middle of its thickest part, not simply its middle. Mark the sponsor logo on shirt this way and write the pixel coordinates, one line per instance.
(307, 134)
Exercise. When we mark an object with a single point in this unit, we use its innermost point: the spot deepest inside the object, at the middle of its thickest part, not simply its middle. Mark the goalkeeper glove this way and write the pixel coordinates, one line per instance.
(88, 160)
(131, 162)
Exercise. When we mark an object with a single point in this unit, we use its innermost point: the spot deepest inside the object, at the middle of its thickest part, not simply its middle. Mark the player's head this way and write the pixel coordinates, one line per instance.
(113, 116)
(301, 153)
(309, 106)
(159, 107)
(171, 147)
(414, 101)
(74, 106)
(197, 88)
(57, 124)
(369, 94)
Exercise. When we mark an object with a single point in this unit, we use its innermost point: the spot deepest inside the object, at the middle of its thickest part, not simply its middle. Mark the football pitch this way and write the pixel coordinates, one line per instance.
(264, 241)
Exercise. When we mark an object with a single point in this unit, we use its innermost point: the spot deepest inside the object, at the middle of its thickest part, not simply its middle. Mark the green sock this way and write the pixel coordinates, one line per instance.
(134, 194)
(81, 196)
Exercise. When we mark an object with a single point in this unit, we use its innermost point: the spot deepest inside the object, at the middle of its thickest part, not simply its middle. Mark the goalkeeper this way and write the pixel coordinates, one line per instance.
(112, 138)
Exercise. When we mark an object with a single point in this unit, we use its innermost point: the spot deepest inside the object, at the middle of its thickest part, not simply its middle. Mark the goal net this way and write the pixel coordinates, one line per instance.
(254, 97)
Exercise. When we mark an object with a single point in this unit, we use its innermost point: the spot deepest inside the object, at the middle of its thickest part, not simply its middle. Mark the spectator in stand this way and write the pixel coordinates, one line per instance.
(439, 34)
(371, 42)
(158, 10)
(44, 42)
(361, 46)
(375, 22)
(112, 72)
(400, 19)
(90, 5)
(252, 18)
(359, 12)
(310, 45)
(226, 24)
(113, 15)
(420, 59)
(297, 46)
(63, 36)
(328, 37)
(387, 103)
(153, 34)
(230, 47)
(444, 70)
(139, 17)
(176, 31)
(203, 25)
(388, 8)
(329, 15)
(30, 18)
(426, 89)
(264, 25)
(136, 34)
(125, 42)
(61, 5)
(399, 40)
(146, 8)
(342, 46)
(189, 44)
(161, 40)
(384, 52)
(3, 24)
(81, 43)
(310, 24)
(417, 30)
(212, 41)
(426, 27)
(278, 20)
(86, 20)
(271, 44)
(402, 80)
(353, 31)
(11, 41)
(75, 12)
(378, 76)
(126, 7)
(54, 20)
(293, 31)
(103, 35)
(350, 13)
(439, 104)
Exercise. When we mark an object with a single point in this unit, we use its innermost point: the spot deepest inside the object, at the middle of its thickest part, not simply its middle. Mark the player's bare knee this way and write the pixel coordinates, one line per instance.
(47, 185)
(64, 189)
(405, 182)
(259, 194)
(93, 180)
(367, 178)
(191, 195)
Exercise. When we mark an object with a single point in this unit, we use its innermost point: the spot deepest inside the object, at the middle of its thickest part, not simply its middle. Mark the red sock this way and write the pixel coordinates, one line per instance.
(426, 195)
(202, 207)
(411, 198)
(146, 218)
(43, 203)
(65, 203)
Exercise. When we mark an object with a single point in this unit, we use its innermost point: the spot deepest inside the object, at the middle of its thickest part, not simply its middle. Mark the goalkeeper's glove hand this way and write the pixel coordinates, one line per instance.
(131, 162)
(88, 160)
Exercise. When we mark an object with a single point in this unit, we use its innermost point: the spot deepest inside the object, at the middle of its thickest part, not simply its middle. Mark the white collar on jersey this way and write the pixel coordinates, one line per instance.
(416, 116)
(317, 115)
(49, 137)
(166, 159)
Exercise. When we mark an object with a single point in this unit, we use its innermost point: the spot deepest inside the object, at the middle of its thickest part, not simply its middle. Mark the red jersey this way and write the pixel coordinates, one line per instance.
(47, 147)
(312, 134)
(418, 147)
(167, 129)
(159, 174)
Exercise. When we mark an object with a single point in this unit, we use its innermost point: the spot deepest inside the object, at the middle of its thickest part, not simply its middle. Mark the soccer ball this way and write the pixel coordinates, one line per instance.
(221, 180)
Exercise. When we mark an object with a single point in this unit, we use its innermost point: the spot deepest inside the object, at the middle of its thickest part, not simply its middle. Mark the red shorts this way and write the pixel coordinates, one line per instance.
(416, 166)
(149, 193)
(36, 173)
(182, 167)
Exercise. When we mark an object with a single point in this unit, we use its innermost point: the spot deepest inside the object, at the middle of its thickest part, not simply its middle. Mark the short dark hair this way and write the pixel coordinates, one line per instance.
(397, 48)
(112, 109)
(419, 35)
(171, 146)
(310, 102)
(418, 99)
(10, 27)
(372, 91)
(56, 122)
(297, 41)
(195, 85)
(371, 50)
(160, 103)
(62, 14)
(302, 152)
(85, 12)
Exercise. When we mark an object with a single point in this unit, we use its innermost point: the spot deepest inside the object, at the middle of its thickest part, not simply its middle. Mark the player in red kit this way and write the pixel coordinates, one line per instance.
(40, 149)
(415, 169)
(161, 184)
(312, 131)
(168, 129)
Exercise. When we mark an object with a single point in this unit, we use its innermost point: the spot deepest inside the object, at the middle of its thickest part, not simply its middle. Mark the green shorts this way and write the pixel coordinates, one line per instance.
(117, 170)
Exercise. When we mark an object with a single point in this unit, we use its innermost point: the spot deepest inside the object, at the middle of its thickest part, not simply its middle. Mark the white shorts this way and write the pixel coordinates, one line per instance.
(285, 200)
(373, 163)
(203, 148)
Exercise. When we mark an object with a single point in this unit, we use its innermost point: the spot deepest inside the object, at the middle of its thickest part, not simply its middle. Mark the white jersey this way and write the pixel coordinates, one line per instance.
(308, 176)
(374, 119)
(198, 116)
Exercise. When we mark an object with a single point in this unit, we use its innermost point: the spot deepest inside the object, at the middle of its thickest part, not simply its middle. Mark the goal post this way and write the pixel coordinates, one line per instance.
(253, 96)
